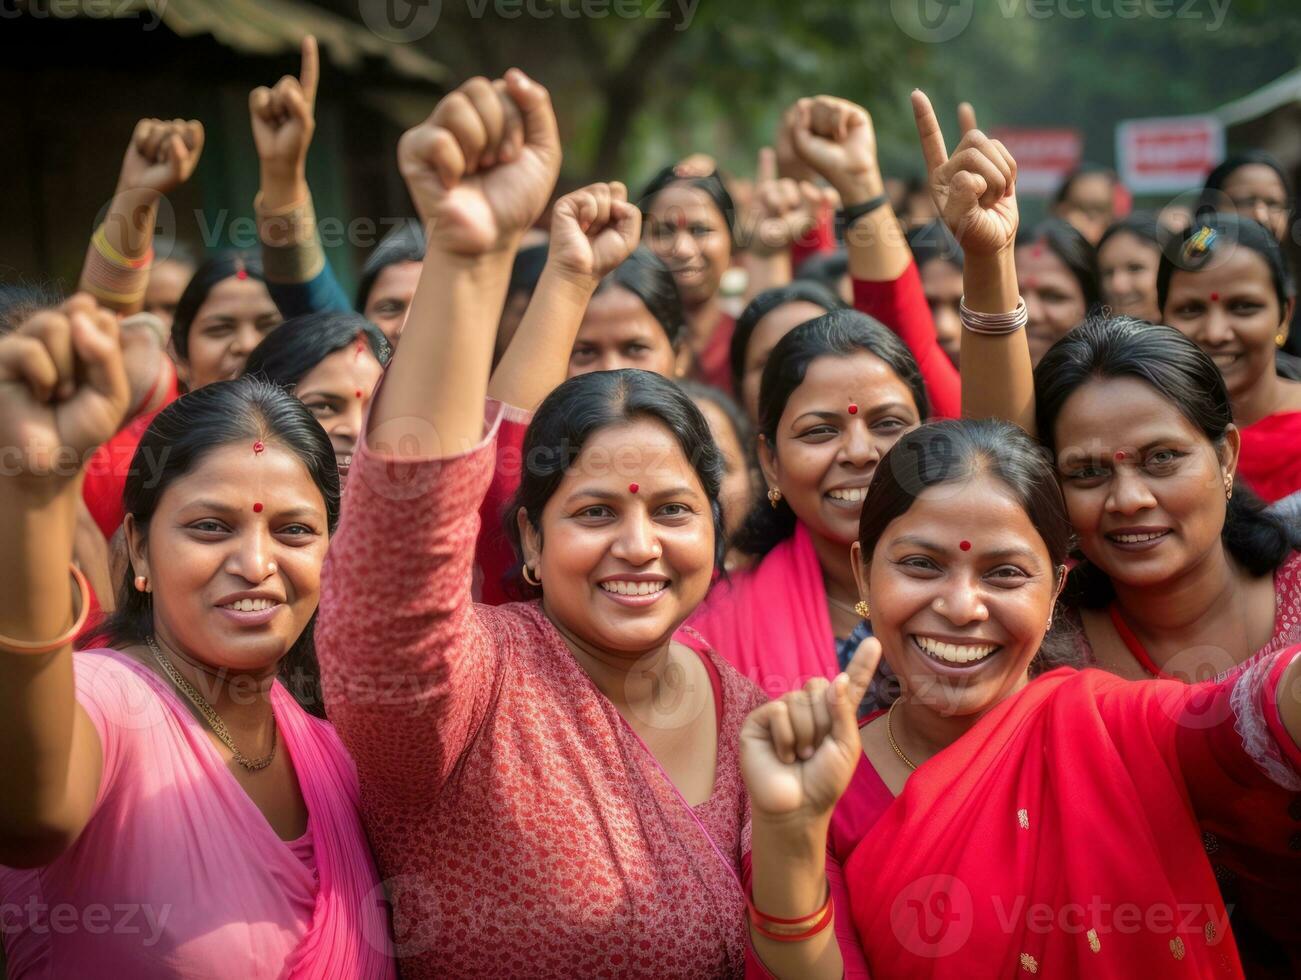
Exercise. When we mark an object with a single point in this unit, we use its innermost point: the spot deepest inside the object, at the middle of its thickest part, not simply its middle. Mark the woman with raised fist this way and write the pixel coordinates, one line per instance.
(168, 767)
(553, 787)
(959, 813)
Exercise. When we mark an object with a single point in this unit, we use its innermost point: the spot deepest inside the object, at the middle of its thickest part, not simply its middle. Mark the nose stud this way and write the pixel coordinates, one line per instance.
(272, 568)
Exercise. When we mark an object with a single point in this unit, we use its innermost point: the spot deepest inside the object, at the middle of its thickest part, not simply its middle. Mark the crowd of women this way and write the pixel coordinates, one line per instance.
(928, 605)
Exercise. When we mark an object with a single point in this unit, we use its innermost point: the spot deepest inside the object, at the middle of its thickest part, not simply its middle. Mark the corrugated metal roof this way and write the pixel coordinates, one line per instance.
(271, 27)
(1280, 92)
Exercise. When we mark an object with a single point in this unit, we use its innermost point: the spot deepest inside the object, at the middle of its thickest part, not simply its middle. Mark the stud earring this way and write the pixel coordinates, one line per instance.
(861, 607)
(141, 583)
(774, 497)
(1280, 339)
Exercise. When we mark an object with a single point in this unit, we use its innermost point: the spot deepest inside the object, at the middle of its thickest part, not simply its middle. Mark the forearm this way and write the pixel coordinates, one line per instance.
(790, 881)
(766, 271)
(37, 697)
(537, 359)
(997, 376)
(431, 401)
(116, 270)
(878, 250)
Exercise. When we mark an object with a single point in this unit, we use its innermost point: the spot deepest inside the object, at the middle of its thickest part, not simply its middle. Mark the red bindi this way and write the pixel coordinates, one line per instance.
(964, 545)
(1215, 297)
(853, 409)
(633, 488)
(257, 508)
(359, 393)
(241, 273)
(1120, 456)
(258, 447)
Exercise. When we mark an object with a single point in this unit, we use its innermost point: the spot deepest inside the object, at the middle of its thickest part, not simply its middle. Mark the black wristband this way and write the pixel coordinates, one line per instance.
(847, 216)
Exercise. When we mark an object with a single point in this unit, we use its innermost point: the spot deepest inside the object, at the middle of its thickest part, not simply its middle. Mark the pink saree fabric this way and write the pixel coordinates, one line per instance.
(178, 874)
(771, 622)
(522, 826)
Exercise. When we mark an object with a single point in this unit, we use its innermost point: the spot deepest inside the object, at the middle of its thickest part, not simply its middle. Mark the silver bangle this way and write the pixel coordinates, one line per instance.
(994, 324)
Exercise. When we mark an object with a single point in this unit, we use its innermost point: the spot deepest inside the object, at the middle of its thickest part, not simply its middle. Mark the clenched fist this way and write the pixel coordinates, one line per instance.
(161, 156)
(593, 230)
(481, 168)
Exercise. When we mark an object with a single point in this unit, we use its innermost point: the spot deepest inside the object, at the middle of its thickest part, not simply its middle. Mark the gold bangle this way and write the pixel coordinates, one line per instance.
(28, 647)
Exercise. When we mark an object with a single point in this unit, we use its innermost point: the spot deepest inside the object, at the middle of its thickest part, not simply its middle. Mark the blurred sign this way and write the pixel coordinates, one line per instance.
(1043, 156)
(1168, 154)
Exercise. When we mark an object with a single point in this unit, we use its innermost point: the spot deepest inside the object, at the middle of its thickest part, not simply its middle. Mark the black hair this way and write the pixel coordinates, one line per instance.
(711, 184)
(1142, 225)
(770, 299)
(955, 450)
(287, 354)
(1079, 257)
(405, 243)
(1181, 373)
(20, 301)
(581, 407)
(933, 240)
(1207, 236)
(178, 439)
(527, 268)
(840, 333)
(827, 269)
(1217, 178)
(211, 271)
(1084, 169)
(645, 276)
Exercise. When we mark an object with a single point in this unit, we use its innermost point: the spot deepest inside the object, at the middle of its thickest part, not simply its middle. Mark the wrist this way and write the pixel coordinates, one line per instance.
(282, 187)
(802, 835)
(581, 284)
(859, 188)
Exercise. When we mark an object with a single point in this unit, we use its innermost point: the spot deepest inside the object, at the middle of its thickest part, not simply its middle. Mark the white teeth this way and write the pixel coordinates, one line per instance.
(633, 588)
(853, 494)
(1137, 538)
(250, 605)
(952, 652)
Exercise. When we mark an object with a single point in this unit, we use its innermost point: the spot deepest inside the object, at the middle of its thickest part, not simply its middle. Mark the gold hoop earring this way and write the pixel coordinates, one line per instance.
(861, 607)
(527, 574)
(774, 497)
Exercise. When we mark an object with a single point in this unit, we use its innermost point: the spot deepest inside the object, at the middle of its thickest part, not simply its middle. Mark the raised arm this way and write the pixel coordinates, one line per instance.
(836, 138)
(283, 118)
(975, 194)
(592, 231)
(160, 157)
(63, 391)
(798, 754)
(396, 613)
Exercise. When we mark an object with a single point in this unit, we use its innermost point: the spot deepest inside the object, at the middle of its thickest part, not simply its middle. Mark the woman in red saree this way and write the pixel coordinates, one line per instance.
(552, 787)
(1098, 873)
(1230, 290)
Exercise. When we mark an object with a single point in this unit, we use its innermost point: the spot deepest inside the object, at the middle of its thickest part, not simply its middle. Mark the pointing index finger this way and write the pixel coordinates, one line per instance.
(310, 74)
(928, 131)
(966, 117)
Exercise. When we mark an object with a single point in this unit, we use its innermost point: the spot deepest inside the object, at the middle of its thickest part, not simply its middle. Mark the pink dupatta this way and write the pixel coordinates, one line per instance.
(771, 622)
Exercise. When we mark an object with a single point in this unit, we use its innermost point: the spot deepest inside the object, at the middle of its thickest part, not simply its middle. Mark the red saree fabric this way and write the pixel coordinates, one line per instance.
(1062, 835)
(1270, 461)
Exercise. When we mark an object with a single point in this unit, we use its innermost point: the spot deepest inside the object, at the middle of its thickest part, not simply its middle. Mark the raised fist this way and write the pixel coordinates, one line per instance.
(780, 211)
(284, 116)
(481, 168)
(161, 155)
(798, 753)
(836, 139)
(593, 230)
(975, 189)
(63, 388)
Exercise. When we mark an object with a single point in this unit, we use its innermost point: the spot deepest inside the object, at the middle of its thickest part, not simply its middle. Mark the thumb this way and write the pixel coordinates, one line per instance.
(534, 101)
(965, 191)
(847, 690)
(95, 339)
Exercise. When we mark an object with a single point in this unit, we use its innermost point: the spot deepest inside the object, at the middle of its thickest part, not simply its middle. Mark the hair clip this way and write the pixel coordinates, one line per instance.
(1200, 243)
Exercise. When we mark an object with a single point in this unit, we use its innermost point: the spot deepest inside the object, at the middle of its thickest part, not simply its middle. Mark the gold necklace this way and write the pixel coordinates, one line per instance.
(889, 734)
(210, 715)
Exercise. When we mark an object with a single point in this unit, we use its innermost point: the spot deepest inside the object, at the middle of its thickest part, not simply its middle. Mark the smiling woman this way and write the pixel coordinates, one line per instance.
(223, 314)
(167, 752)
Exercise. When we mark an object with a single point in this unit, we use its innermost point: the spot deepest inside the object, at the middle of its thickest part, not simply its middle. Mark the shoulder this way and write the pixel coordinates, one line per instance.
(736, 688)
(114, 684)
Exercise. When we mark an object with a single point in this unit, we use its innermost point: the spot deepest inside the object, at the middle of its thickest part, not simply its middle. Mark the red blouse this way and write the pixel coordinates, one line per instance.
(1270, 460)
